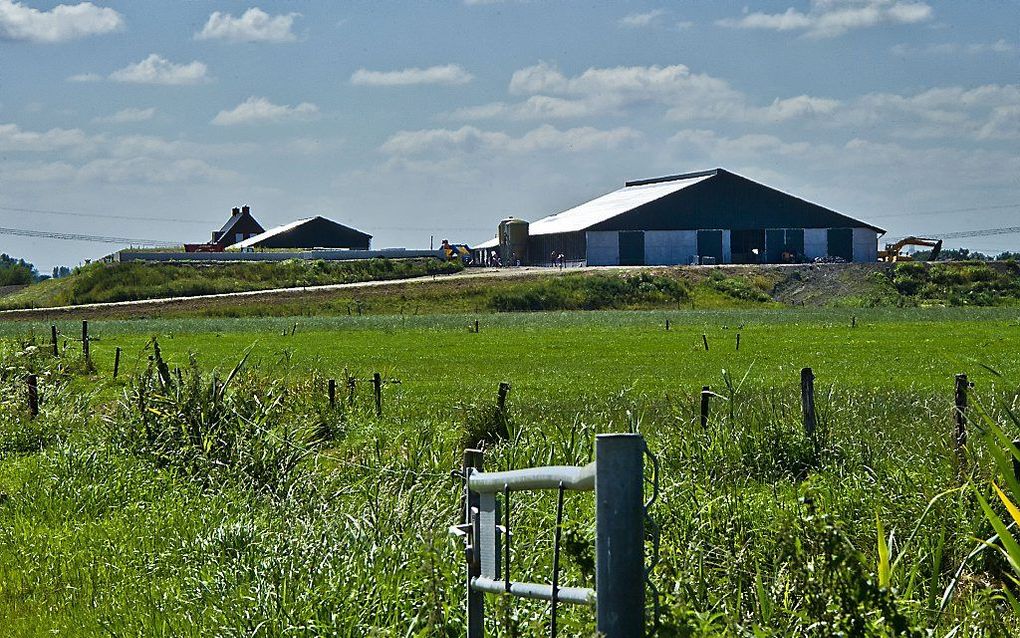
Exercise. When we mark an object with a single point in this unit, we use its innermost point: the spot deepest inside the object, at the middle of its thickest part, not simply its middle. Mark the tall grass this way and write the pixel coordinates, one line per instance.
(233, 500)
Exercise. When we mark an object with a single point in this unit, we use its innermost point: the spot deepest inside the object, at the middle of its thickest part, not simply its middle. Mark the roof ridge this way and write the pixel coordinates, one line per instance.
(672, 178)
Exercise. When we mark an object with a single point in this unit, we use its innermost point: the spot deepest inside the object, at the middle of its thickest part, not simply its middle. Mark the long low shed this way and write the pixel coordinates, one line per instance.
(710, 216)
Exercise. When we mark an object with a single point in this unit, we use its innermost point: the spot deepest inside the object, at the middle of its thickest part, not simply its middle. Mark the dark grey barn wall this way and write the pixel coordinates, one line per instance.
(728, 201)
(572, 246)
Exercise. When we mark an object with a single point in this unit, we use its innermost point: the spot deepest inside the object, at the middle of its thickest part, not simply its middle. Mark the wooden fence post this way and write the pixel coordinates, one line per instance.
(85, 340)
(504, 389)
(476, 326)
(33, 395)
(377, 382)
(807, 400)
(704, 339)
(961, 409)
(116, 362)
(706, 394)
(331, 391)
(667, 325)
(53, 340)
(853, 322)
(738, 341)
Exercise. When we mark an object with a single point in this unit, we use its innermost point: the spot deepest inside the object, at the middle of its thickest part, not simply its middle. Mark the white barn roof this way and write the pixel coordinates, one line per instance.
(610, 205)
(272, 232)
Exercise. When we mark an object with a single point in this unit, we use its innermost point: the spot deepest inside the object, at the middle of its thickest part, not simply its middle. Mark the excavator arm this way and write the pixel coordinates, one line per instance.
(892, 252)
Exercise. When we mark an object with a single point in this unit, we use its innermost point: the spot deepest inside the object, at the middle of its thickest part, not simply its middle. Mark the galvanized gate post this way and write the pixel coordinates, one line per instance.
(475, 599)
(619, 535)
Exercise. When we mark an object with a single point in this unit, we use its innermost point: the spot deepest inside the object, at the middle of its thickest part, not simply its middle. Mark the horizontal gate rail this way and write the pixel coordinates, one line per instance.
(535, 591)
(534, 478)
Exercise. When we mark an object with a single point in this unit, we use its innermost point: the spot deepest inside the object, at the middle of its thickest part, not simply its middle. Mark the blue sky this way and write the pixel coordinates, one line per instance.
(151, 120)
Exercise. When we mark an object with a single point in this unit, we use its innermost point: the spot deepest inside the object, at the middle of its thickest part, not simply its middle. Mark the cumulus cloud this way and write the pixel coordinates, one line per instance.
(254, 25)
(449, 74)
(15, 139)
(642, 20)
(954, 48)
(156, 69)
(127, 116)
(469, 139)
(613, 91)
(61, 23)
(259, 109)
(831, 18)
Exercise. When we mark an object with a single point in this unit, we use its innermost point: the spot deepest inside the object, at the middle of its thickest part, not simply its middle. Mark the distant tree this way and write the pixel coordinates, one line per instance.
(952, 254)
(16, 272)
(1003, 256)
(60, 271)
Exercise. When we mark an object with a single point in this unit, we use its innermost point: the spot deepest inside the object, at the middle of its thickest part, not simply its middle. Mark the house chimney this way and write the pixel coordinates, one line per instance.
(235, 211)
(245, 209)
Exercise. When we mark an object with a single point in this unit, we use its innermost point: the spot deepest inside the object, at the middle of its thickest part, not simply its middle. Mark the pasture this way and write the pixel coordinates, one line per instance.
(278, 515)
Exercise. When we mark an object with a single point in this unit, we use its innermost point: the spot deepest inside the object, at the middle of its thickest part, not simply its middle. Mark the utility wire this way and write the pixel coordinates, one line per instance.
(22, 232)
(946, 211)
(66, 213)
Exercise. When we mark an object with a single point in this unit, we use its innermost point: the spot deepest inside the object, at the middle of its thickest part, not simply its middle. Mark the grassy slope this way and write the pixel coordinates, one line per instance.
(129, 281)
(90, 537)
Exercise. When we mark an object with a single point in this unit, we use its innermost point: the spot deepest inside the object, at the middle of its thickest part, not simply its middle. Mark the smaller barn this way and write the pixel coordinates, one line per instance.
(308, 233)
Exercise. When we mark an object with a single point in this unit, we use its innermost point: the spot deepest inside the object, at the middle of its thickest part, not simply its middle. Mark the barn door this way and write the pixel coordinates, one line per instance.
(710, 244)
(632, 248)
(841, 243)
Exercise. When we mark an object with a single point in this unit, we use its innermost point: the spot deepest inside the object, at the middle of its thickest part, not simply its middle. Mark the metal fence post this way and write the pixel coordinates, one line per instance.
(619, 535)
(475, 599)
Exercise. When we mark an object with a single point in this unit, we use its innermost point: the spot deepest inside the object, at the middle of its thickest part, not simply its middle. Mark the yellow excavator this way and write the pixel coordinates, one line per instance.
(892, 253)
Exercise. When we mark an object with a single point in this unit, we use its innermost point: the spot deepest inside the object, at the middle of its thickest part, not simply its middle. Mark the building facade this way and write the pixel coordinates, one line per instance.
(710, 216)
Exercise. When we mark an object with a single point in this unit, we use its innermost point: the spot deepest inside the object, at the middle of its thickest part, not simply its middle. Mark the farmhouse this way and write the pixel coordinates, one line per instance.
(239, 227)
(712, 216)
(312, 232)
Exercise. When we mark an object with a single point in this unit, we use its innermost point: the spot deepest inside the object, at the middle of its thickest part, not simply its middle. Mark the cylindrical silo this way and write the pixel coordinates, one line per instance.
(513, 241)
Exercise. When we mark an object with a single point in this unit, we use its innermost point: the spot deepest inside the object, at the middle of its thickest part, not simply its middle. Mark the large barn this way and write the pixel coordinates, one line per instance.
(712, 216)
(312, 232)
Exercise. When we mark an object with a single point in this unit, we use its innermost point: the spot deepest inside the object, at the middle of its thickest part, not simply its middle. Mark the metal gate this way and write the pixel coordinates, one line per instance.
(617, 477)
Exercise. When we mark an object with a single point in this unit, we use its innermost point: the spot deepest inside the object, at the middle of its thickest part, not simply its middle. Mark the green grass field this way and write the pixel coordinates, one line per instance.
(174, 506)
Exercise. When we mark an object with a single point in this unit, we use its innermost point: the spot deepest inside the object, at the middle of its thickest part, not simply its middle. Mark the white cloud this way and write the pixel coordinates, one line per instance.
(955, 48)
(148, 170)
(156, 69)
(259, 109)
(449, 74)
(61, 23)
(13, 138)
(536, 107)
(254, 25)
(831, 18)
(127, 116)
(642, 20)
(469, 139)
(85, 77)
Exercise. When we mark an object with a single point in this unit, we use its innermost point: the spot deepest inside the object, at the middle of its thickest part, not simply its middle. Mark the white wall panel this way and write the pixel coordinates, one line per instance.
(727, 254)
(603, 248)
(670, 247)
(865, 245)
(816, 242)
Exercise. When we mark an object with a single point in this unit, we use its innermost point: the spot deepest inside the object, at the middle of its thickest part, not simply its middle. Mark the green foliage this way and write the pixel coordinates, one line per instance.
(127, 281)
(206, 524)
(958, 283)
(590, 292)
(747, 288)
(16, 272)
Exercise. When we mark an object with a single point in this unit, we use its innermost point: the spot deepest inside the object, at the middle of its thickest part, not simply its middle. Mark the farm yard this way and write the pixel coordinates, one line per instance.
(212, 489)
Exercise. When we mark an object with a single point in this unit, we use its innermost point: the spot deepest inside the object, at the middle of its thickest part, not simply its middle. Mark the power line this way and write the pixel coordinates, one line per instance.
(103, 239)
(66, 213)
(946, 211)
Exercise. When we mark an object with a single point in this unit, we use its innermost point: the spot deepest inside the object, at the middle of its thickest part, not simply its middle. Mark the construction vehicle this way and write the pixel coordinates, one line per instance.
(892, 253)
(456, 251)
